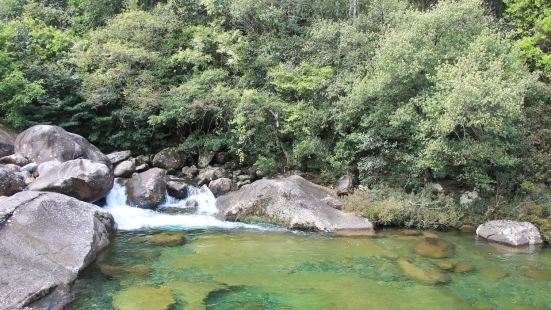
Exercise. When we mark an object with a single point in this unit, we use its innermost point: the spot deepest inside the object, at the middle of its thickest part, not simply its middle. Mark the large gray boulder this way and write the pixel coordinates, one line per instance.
(124, 169)
(147, 189)
(292, 202)
(10, 182)
(510, 232)
(43, 143)
(46, 239)
(7, 138)
(169, 159)
(80, 178)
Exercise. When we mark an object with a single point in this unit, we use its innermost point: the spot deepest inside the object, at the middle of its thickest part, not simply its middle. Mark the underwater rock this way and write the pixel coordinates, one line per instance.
(493, 274)
(434, 247)
(143, 298)
(123, 272)
(355, 233)
(538, 273)
(463, 268)
(409, 232)
(164, 239)
(445, 264)
(422, 274)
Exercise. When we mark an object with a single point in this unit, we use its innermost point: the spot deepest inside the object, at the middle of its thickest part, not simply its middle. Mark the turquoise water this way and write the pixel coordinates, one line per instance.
(392, 269)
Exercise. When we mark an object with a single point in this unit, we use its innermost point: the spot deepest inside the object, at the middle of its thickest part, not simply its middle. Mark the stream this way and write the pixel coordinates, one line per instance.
(194, 261)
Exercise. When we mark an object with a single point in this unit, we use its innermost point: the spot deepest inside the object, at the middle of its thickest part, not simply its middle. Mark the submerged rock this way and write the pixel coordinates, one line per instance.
(422, 274)
(163, 238)
(143, 297)
(147, 189)
(445, 264)
(292, 202)
(463, 268)
(510, 232)
(43, 143)
(434, 247)
(80, 178)
(10, 182)
(123, 271)
(46, 239)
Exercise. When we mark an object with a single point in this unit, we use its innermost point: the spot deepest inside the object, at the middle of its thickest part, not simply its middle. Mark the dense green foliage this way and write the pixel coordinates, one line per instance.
(397, 91)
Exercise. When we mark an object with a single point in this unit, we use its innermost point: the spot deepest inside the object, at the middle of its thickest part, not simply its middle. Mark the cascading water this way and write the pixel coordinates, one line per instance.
(130, 218)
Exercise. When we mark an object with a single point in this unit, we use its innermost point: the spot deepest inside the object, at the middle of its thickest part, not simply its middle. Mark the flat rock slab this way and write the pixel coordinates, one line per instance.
(291, 202)
(510, 232)
(46, 239)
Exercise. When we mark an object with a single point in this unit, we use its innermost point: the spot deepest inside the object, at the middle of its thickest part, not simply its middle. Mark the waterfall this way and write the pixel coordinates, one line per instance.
(131, 218)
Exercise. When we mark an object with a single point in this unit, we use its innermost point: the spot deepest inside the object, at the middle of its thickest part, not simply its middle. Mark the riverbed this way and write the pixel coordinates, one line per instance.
(261, 269)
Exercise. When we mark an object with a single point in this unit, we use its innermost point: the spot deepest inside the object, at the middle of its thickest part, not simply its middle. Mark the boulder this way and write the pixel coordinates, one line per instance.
(510, 232)
(15, 159)
(46, 239)
(177, 189)
(7, 138)
(190, 172)
(210, 174)
(205, 158)
(147, 189)
(118, 157)
(44, 167)
(422, 274)
(12, 167)
(190, 206)
(124, 169)
(345, 185)
(220, 186)
(42, 143)
(292, 202)
(436, 188)
(80, 178)
(143, 297)
(27, 177)
(221, 158)
(10, 182)
(168, 159)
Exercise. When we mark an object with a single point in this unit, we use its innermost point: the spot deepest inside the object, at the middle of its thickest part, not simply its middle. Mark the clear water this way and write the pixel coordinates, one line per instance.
(162, 261)
(283, 270)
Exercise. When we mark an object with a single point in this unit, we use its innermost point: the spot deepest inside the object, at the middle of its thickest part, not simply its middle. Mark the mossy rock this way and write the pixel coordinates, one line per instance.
(493, 274)
(123, 271)
(434, 247)
(143, 298)
(162, 239)
(444, 264)
(422, 274)
(463, 268)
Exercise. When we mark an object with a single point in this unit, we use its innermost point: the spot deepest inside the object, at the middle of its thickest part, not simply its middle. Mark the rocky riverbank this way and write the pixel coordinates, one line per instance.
(50, 231)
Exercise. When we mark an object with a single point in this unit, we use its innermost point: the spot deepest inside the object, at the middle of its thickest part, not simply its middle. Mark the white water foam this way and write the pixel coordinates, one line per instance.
(130, 218)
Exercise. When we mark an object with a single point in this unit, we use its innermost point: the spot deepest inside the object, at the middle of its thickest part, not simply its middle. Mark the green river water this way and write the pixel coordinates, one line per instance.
(392, 269)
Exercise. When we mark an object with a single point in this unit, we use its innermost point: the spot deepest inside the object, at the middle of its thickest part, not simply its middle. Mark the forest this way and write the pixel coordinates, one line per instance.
(402, 94)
